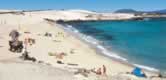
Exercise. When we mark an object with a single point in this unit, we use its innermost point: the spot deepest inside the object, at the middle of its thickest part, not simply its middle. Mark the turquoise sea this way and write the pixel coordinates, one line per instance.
(142, 43)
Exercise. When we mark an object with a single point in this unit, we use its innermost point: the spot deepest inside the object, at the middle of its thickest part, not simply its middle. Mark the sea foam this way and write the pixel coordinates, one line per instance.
(146, 67)
(93, 41)
(103, 49)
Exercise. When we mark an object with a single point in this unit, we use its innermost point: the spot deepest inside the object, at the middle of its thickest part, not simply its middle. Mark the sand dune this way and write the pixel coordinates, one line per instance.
(19, 70)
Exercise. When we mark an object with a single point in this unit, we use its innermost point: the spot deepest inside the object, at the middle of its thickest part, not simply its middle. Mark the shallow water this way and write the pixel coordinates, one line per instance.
(140, 42)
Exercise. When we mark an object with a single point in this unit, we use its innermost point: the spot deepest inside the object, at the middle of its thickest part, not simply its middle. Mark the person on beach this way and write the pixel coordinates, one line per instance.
(14, 34)
(104, 70)
(14, 43)
(158, 76)
(26, 43)
(60, 55)
(100, 71)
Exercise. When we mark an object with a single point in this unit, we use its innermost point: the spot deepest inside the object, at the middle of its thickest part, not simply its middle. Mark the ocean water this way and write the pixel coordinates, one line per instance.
(142, 43)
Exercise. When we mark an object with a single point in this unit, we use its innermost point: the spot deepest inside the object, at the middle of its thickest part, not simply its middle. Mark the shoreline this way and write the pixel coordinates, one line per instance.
(143, 66)
(100, 52)
(33, 25)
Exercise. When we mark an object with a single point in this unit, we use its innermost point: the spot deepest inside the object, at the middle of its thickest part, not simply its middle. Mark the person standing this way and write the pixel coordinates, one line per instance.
(14, 34)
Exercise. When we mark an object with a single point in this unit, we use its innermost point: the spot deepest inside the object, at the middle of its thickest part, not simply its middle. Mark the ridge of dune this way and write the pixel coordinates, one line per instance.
(19, 70)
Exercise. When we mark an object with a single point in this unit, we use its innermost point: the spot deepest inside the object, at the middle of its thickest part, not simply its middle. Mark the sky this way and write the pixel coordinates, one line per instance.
(94, 5)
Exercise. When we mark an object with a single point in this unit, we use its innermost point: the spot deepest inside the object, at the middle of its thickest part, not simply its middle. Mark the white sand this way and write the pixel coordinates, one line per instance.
(18, 70)
(84, 56)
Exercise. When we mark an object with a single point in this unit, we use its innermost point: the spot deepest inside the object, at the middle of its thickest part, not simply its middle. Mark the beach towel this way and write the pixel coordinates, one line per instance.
(138, 72)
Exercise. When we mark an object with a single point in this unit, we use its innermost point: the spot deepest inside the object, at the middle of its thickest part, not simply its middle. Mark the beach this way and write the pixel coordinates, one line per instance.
(77, 53)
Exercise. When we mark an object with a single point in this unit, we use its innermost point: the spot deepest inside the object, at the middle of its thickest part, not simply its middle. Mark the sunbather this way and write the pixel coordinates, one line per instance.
(83, 72)
(60, 56)
(158, 76)
(100, 71)
(48, 34)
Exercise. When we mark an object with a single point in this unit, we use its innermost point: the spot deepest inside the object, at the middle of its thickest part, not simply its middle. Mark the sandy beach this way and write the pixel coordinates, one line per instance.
(77, 54)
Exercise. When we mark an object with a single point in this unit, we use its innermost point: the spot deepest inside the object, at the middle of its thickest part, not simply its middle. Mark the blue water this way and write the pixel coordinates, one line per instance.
(140, 42)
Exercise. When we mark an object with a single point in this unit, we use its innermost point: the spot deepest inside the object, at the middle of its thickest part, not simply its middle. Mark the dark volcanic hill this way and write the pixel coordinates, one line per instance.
(135, 11)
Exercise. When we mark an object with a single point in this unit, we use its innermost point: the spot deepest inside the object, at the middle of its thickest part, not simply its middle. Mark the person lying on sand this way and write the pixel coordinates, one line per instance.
(61, 34)
(58, 56)
(72, 51)
(83, 72)
(48, 34)
(158, 76)
(100, 71)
